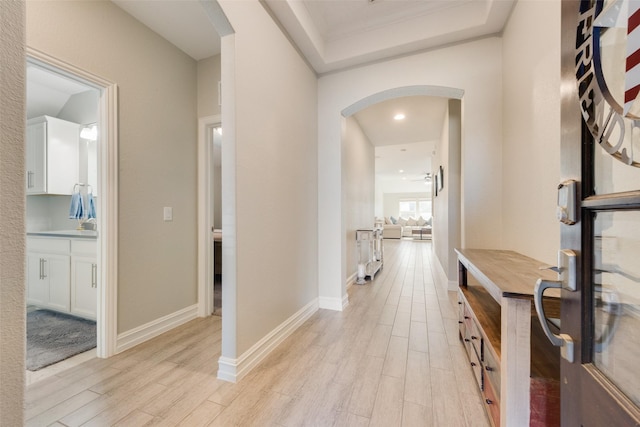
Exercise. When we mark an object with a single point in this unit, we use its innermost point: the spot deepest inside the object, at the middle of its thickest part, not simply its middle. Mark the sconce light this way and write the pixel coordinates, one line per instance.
(89, 132)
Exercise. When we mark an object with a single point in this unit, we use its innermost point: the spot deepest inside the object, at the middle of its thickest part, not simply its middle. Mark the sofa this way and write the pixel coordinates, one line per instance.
(404, 227)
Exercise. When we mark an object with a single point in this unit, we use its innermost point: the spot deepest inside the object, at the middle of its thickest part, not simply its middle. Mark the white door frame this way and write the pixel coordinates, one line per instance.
(107, 310)
(205, 214)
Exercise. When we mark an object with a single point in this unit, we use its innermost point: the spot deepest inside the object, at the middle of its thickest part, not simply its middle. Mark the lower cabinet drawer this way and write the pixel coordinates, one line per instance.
(492, 370)
(492, 403)
(476, 366)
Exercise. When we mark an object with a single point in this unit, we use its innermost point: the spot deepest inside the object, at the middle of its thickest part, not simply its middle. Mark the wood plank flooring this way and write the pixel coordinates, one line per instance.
(392, 358)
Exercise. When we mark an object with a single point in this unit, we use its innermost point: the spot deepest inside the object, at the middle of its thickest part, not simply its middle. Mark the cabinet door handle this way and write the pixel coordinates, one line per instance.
(29, 185)
(94, 275)
(44, 268)
(40, 269)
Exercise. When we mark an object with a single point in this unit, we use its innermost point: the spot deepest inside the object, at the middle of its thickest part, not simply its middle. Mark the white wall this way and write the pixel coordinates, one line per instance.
(440, 201)
(482, 139)
(208, 105)
(12, 230)
(359, 187)
(391, 201)
(157, 124)
(531, 148)
(51, 212)
(269, 149)
(446, 233)
(208, 77)
(81, 108)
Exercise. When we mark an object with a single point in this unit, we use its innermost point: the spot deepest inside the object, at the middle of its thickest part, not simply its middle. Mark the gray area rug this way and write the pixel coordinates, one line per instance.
(53, 336)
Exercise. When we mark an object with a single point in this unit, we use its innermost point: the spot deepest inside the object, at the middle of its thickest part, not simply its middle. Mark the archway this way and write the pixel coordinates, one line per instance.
(330, 234)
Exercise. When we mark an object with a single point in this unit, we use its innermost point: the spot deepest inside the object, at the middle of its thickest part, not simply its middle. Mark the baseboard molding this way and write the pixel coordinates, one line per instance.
(233, 370)
(443, 280)
(143, 333)
(336, 304)
(352, 279)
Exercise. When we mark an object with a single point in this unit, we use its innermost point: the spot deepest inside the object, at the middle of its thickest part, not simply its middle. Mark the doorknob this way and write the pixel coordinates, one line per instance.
(567, 274)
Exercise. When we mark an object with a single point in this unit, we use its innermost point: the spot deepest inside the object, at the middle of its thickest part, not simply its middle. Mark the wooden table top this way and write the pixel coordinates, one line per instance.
(506, 273)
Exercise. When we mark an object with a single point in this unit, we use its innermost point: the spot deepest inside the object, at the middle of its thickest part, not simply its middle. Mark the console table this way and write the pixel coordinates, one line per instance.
(516, 367)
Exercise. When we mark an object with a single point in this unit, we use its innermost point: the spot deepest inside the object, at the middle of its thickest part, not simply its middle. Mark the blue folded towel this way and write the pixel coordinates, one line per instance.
(76, 209)
(92, 206)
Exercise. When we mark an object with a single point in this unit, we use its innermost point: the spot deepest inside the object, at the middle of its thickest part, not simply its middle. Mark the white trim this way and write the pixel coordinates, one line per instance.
(234, 369)
(441, 278)
(351, 280)
(143, 333)
(107, 300)
(205, 216)
(336, 304)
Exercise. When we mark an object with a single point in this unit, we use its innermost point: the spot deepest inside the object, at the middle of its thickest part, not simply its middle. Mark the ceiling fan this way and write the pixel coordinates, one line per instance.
(427, 177)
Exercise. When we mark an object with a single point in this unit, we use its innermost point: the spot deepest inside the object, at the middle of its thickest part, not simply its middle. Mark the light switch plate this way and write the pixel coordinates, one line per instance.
(168, 214)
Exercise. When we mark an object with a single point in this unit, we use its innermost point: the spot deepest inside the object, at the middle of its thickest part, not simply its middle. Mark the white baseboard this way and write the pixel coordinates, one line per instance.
(336, 304)
(234, 369)
(143, 333)
(443, 280)
(352, 279)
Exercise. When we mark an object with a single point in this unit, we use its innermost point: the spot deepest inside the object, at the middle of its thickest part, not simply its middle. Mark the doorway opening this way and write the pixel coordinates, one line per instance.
(210, 216)
(438, 174)
(71, 215)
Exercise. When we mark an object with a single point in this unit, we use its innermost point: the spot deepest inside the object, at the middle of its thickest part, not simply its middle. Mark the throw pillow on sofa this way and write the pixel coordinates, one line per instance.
(411, 222)
(393, 220)
(402, 221)
(421, 222)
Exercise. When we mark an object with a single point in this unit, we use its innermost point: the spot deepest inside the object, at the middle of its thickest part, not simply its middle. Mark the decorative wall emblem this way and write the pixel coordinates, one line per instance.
(608, 74)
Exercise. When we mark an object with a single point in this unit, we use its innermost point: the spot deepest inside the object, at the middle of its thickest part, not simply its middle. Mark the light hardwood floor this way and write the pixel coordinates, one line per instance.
(392, 358)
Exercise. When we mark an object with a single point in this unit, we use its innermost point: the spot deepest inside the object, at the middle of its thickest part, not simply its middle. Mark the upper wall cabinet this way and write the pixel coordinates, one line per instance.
(52, 155)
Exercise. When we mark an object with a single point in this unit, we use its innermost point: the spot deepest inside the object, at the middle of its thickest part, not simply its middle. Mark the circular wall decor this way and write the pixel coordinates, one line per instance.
(607, 67)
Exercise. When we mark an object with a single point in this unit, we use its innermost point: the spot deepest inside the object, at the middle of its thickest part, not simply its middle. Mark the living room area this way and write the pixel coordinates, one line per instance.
(404, 156)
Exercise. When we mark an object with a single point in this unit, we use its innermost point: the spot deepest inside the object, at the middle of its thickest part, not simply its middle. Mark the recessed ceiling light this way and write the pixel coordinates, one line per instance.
(403, 149)
(404, 178)
(401, 170)
(399, 116)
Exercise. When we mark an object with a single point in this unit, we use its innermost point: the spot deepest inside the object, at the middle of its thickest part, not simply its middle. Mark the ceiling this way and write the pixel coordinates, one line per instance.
(338, 34)
(406, 144)
(47, 92)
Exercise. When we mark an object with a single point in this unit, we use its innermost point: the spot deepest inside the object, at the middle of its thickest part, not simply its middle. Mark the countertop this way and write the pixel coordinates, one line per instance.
(83, 234)
(506, 273)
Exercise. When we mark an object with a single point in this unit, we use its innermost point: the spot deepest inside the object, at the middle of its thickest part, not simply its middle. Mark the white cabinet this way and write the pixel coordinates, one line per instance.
(84, 289)
(62, 275)
(84, 278)
(48, 273)
(52, 155)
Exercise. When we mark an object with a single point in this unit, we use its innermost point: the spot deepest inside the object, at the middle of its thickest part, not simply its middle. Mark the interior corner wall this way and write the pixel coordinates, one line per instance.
(531, 116)
(441, 221)
(208, 77)
(157, 123)
(451, 188)
(209, 74)
(482, 138)
(274, 138)
(12, 213)
(359, 187)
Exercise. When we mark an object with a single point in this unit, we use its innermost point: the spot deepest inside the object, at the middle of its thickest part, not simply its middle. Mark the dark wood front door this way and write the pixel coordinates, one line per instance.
(601, 151)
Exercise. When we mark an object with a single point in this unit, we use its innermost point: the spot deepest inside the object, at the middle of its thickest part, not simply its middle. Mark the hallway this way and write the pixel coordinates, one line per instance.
(392, 358)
